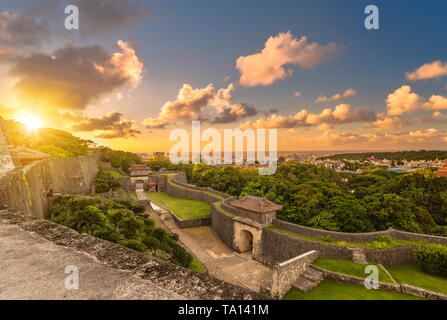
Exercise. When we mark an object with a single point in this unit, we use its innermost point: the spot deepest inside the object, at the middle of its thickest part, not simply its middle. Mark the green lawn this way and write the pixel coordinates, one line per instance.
(331, 290)
(185, 209)
(196, 266)
(133, 196)
(413, 275)
(115, 174)
(350, 268)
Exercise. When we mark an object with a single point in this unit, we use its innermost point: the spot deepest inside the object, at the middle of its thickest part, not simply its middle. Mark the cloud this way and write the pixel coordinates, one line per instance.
(234, 113)
(348, 93)
(297, 94)
(110, 126)
(192, 104)
(72, 77)
(403, 101)
(341, 114)
(387, 123)
(19, 31)
(106, 16)
(267, 66)
(436, 102)
(436, 69)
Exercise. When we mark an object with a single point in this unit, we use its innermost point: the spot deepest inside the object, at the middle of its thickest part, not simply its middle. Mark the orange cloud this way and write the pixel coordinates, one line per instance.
(403, 101)
(347, 94)
(266, 67)
(436, 69)
(342, 113)
(191, 104)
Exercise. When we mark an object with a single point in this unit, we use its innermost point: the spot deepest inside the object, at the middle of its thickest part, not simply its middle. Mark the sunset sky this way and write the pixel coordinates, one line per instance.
(135, 70)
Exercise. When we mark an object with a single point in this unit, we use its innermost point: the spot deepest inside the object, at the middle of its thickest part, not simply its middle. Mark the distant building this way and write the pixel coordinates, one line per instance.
(27, 155)
(139, 175)
(159, 154)
(140, 170)
(442, 172)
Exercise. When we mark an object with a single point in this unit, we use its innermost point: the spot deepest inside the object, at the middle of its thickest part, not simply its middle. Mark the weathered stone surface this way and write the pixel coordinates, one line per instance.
(288, 273)
(110, 271)
(423, 293)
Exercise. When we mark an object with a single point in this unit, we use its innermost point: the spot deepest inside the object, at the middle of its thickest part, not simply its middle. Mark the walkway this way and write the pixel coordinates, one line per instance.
(221, 262)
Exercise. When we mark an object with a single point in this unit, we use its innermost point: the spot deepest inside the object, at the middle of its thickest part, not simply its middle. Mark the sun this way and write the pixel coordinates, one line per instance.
(31, 123)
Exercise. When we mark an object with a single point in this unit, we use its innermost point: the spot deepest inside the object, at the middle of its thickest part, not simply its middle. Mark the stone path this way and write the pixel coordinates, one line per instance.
(221, 262)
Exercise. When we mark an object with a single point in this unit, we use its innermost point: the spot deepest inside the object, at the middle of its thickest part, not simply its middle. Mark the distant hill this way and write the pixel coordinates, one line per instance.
(57, 143)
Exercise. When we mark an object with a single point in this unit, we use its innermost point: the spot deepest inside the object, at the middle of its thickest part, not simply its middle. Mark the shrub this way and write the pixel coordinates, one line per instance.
(386, 239)
(433, 259)
(151, 242)
(160, 234)
(181, 256)
(174, 236)
(101, 187)
(327, 238)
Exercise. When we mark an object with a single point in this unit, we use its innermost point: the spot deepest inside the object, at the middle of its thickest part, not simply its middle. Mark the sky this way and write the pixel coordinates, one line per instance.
(136, 70)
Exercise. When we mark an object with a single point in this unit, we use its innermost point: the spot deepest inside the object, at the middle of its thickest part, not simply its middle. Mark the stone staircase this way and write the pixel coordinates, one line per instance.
(309, 279)
(358, 256)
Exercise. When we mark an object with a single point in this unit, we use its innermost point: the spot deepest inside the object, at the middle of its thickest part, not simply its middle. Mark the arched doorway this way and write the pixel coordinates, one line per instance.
(139, 185)
(246, 241)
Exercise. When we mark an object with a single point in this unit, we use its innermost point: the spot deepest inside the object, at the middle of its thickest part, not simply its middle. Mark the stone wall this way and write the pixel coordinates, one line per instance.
(177, 187)
(357, 237)
(222, 224)
(28, 189)
(190, 223)
(423, 293)
(6, 163)
(276, 247)
(391, 257)
(344, 278)
(285, 274)
(14, 191)
(187, 283)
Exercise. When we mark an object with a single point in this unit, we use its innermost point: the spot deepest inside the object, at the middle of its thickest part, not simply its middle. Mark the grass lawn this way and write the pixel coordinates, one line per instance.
(331, 290)
(185, 209)
(115, 174)
(350, 268)
(413, 275)
(196, 266)
(133, 196)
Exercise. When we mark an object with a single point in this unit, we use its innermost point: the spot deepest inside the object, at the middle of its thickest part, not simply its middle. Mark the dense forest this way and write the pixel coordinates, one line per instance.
(395, 156)
(322, 198)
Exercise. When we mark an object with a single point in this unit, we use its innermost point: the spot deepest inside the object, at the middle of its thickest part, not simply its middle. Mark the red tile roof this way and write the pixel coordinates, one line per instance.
(139, 167)
(256, 204)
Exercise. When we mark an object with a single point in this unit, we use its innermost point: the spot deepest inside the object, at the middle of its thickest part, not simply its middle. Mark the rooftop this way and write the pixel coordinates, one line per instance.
(256, 204)
(139, 167)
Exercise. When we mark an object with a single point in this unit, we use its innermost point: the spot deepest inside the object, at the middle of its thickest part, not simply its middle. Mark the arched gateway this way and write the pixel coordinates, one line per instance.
(252, 215)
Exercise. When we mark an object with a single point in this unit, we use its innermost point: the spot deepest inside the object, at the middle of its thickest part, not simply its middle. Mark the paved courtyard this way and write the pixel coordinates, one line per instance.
(221, 262)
